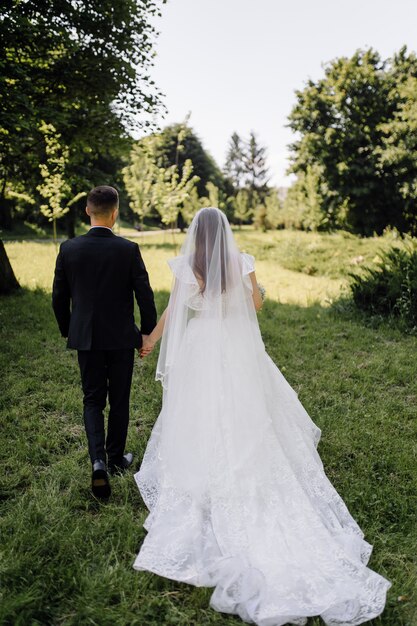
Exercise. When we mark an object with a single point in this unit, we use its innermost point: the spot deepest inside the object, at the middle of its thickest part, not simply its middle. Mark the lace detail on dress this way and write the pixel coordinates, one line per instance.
(237, 495)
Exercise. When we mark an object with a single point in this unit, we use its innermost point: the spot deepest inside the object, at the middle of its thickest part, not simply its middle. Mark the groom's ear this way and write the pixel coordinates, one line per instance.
(87, 211)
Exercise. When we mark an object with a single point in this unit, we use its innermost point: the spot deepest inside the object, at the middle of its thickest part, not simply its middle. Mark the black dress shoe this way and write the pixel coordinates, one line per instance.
(100, 484)
(119, 468)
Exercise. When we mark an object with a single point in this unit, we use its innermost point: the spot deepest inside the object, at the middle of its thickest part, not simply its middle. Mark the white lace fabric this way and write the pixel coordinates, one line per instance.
(237, 496)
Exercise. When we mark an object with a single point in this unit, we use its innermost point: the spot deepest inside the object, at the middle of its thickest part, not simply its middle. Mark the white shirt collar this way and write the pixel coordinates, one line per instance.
(91, 227)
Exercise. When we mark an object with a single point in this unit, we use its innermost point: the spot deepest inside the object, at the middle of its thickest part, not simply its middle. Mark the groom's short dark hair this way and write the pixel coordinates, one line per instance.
(102, 199)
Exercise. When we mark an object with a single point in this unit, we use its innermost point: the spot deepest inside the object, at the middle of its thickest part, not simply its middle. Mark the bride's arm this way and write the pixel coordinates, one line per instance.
(149, 341)
(256, 294)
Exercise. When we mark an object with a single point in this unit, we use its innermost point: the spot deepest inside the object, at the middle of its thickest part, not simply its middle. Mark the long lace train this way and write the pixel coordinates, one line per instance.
(254, 517)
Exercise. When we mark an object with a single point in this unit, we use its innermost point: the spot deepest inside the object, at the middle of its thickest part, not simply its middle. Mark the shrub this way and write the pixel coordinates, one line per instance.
(390, 288)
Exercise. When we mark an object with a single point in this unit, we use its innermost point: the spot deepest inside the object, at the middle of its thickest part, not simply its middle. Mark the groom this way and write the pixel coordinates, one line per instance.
(96, 276)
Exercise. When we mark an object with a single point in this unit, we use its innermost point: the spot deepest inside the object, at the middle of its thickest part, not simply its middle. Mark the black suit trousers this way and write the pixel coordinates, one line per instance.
(106, 373)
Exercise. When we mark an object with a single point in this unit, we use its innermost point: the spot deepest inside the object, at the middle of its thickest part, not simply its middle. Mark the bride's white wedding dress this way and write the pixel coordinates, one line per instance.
(236, 490)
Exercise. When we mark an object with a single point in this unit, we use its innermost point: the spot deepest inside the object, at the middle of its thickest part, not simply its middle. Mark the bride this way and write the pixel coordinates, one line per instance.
(237, 496)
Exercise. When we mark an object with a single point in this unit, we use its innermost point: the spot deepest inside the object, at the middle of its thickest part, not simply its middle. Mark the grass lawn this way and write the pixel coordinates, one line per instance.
(67, 559)
(295, 267)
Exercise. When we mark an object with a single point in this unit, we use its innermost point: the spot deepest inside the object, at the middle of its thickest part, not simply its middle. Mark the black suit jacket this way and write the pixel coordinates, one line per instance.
(96, 276)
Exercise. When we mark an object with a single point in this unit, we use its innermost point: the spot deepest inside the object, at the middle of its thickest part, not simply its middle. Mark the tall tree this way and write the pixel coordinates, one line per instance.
(152, 186)
(268, 213)
(55, 188)
(172, 189)
(341, 123)
(178, 143)
(256, 169)
(247, 172)
(398, 153)
(244, 205)
(140, 176)
(234, 167)
(83, 67)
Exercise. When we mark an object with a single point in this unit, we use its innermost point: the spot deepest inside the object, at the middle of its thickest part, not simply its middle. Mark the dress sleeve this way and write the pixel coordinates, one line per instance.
(182, 270)
(248, 266)
(248, 263)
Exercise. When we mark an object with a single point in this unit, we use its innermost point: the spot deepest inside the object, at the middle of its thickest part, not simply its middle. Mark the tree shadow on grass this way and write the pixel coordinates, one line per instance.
(68, 554)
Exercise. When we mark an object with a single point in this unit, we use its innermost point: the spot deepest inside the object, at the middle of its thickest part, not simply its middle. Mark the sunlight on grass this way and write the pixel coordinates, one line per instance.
(295, 267)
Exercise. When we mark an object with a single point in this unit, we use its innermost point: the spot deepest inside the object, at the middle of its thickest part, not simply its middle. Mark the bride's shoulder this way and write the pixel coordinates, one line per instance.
(248, 263)
(181, 268)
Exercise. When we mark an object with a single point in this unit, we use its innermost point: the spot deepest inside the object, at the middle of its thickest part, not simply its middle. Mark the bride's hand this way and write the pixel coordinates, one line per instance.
(147, 346)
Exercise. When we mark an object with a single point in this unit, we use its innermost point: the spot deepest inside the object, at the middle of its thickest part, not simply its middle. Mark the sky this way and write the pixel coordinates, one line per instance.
(235, 64)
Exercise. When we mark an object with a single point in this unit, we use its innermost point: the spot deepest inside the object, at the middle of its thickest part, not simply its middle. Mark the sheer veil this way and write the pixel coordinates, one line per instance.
(210, 282)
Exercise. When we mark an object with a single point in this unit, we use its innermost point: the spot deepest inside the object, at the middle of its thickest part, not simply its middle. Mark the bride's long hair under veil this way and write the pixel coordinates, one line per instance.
(208, 284)
(237, 496)
(210, 308)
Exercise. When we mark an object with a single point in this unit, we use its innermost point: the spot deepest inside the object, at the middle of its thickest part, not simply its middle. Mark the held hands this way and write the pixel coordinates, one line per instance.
(149, 341)
(147, 346)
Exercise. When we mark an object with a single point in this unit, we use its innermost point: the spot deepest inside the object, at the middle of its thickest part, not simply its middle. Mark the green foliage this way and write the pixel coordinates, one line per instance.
(139, 178)
(82, 67)
(248, 174)
(175, 145)
(356, 130)
(55, 187)
(390, 288)
(171, 173)
(268, 213)
(234, 167)
(215, 197)
(171, 191)
(398, 154)
(256, 169)
(151, 185)
(242, 205)
(191, 204)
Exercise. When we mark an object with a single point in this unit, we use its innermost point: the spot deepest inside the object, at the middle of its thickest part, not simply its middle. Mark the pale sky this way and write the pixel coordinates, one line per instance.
(235, 64)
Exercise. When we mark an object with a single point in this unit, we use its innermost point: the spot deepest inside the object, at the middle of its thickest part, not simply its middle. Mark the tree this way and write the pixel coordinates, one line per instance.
(8, 281)
(190, 205)
(243, 206)
(154, 184)
(140, 176)
(398, 152)
(256, 169)
(234, 167)
(308, 204)
(214, 198)
(82, 67)
(268, 213)
(178, 143)
(172, 189)
(339, 122)
(247, 172)
(55, 187)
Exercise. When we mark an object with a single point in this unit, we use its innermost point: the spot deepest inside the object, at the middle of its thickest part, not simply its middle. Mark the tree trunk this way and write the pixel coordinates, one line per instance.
(6, 206)
(8, 282)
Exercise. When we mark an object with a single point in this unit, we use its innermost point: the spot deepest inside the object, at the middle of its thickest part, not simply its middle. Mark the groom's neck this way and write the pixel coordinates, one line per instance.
(102, 222)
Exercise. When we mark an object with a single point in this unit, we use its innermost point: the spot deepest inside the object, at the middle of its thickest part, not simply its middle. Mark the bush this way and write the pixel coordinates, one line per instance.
(389, 289)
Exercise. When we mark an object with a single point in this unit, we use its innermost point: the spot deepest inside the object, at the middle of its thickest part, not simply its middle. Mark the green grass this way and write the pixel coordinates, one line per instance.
(295, 267)
(67, 559)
